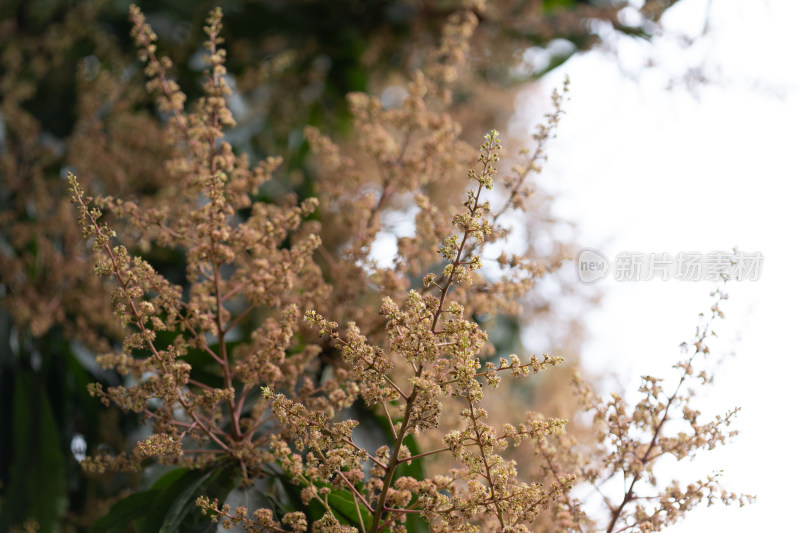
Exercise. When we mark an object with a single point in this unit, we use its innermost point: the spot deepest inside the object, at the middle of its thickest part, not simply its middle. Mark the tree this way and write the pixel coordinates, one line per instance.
(163, 160)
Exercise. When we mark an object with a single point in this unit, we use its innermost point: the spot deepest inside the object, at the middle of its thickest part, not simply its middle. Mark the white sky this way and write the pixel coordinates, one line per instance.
(643, 168)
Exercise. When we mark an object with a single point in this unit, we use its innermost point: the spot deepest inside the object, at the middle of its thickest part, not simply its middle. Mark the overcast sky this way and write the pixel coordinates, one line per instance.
(700, 167)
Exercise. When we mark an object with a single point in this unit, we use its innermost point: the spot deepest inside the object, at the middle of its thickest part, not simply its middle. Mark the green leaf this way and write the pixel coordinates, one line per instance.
(37, 486)
(176, 499)
(186, 502)
(166, 505)
(168, 478)
(344, 508)
(340, 501)
(548, 6)
(195, 521)
(414, 469)
(125, 511)
(416, 524)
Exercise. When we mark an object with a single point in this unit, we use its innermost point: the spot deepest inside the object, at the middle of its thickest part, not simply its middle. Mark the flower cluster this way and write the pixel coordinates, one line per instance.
(278, 405)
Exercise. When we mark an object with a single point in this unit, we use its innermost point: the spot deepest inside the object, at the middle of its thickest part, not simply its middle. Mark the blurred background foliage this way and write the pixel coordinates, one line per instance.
(72, 98)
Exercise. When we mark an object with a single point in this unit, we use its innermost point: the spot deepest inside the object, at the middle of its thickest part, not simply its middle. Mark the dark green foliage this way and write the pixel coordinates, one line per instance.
(170, 504)
(37, 481)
